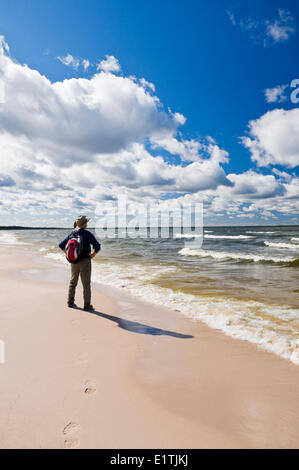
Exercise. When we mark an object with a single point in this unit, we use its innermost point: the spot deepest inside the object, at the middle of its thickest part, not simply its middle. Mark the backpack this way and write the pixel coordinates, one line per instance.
(74, 248)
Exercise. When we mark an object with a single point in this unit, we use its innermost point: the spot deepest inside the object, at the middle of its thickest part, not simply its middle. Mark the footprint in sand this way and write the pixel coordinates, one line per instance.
(70, 430)
(90, 388)
(82, 358)
(71, 443)
(84, 337)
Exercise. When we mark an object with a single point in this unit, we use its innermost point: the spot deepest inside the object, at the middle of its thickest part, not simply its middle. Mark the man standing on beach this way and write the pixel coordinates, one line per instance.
(82, 265)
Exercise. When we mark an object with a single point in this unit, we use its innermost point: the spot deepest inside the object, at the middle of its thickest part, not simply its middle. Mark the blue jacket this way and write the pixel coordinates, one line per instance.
(88, 239)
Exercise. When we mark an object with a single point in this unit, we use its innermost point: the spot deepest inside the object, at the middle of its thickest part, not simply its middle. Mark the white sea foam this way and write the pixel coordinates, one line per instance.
(229, 237)
(9, 238)
(295, 239)
(57, 256)
(222, 255)
(288, 246)
(187, 235)
(238, 319)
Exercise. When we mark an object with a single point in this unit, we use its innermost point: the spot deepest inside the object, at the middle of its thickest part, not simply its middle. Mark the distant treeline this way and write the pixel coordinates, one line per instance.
(17, 227)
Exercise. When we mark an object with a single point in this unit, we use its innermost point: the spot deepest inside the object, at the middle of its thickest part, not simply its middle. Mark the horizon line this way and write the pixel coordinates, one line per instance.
(24, 227)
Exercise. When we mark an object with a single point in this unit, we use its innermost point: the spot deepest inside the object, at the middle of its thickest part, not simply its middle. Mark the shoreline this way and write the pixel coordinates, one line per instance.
(134, 375)
(234, 297)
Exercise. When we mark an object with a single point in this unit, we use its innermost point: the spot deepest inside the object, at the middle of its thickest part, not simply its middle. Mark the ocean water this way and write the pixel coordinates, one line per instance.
(242, 280)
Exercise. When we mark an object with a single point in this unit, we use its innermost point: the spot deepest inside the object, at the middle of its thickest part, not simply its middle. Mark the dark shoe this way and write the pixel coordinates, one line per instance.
(72, 305)
(88, 308)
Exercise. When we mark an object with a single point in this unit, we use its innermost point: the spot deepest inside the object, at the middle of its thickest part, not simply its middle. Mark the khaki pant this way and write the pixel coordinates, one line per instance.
(83, 268)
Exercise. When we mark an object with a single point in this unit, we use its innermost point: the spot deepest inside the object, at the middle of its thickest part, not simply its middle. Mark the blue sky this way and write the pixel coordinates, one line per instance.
(209, 61)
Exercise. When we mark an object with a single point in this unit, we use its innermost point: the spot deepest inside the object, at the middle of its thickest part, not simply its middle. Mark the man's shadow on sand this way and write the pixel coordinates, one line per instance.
(136, 327)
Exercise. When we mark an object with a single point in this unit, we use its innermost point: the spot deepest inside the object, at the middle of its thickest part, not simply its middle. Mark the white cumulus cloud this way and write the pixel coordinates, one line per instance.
(68, 145)
(69, 61)
(266, 31)
(281, 28)
(274, 138)
(74, 62)
(86, 64)
(276, 94)
(73, 141)
(110, 64)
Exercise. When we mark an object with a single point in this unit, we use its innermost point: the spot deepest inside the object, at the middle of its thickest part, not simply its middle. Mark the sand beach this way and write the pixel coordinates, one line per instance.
(131, 374)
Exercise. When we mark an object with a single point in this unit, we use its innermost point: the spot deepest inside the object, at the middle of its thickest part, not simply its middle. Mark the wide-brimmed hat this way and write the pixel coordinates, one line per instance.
(82, 220)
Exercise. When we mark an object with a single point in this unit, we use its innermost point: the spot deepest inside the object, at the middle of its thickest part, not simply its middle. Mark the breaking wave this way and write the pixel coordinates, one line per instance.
(229, 237)
(222, 255)
(288, 246)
